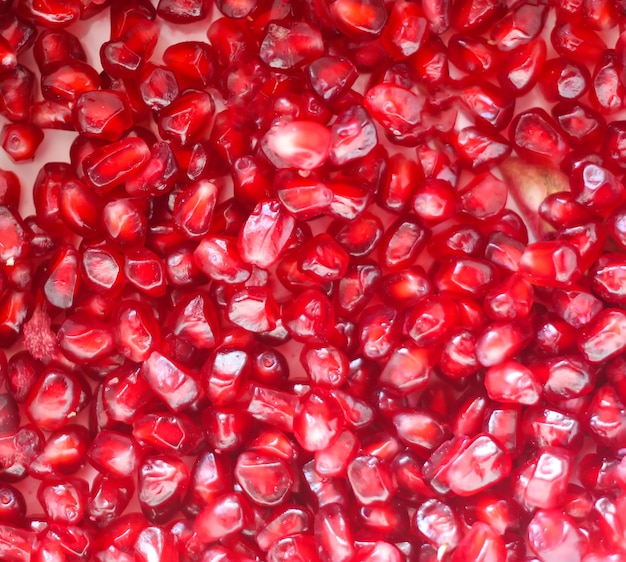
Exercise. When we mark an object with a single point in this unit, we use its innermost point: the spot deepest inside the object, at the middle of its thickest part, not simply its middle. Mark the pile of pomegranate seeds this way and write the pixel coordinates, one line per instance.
(277, 305)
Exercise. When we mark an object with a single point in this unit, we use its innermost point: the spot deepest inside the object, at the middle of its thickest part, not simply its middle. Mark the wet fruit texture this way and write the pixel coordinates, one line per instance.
(315, 281)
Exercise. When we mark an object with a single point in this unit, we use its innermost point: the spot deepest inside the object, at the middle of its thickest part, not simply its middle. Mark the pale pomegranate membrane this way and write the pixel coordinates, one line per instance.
(312, 281)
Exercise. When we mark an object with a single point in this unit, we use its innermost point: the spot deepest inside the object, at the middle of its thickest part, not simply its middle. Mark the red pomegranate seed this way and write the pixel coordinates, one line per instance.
(10, 190)
(84, 340)
(265, 234)
(162, 482)
(473, 54)
(318, 420)
(402, 242)
(481, 543)
(175, 385)
(193, 63)
(564, 79)
(17, 93)
(603, 337)
(484, 197)
(475, 466)
(16, 544)
(542, 481)
(186, 120)
(64, 452)
(14, 244)
(102, 114)
(580, 43)
(406, 30)
(13, 505)
(536, 138)
(606, 87)
(333, 533)
(371, 479)
(297, 144)
(183, 11)
(21, 140)
(265, 479)
(478, 149)
(597, 189)
(551, 264)
(111, 165)
(54, 399)
(521, 69)
(228, 514)
(498, 342)
(512, 382)
(551, 533)
(397, 109)
(65, 81)
(331, 76)
(543, 426)
(288, 46)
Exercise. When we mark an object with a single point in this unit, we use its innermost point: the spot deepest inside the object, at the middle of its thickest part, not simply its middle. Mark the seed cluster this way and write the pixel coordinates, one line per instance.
(278, 305)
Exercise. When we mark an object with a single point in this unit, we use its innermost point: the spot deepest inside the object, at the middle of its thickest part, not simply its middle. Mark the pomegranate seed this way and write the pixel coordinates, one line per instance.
(317, 420)
(193, 63)
(158, 175)
(564, 377)
(333, 533)
(286, 47)
(552, 264)
(478, 464)
(114, 453)
(13, 508)
(186, 120)
(481, 543)
(606, 416)
(548, 427)
(563, 79)
(402, 242)
(353, 135)
(183, 11)
(596, 189)
(175, 385)
(21, 140)
(552, 533)
(17, 93)
(331, 76)
(542, 481)
(102, 114)
(265, 479)
(397, 109)
(228, 514)
(84, 340)
(162, 482)
(10, 190)
(265, 234)
(359, 20)
(54, 399)
(536, 138)
(110, 166)
(65, 81)
(578, 43)
(498, 342)
(602, 338)
(297, 144)
(14, 245)
(406, 30)
(512, 382)
(16, 544)
(606, 87)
